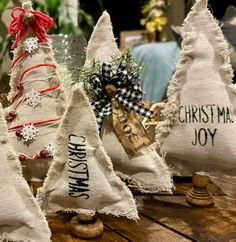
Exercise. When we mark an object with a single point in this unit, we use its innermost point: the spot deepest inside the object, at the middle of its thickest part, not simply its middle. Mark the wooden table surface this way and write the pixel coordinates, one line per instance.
(166, 218)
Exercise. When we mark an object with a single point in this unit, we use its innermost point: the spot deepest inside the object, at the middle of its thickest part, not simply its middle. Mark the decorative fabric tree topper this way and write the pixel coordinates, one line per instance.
(114, 87)
(21, 218)
(198, 132)
(36, 95)
(81, 177)
(112, 83)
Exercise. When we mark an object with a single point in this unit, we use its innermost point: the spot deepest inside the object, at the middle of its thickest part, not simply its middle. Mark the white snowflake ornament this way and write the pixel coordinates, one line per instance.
(33, 98)
(31, 44)
(50, 149)
(29, 132)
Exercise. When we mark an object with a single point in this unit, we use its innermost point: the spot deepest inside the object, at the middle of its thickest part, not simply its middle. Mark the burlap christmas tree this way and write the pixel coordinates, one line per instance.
(199, 129)
(81, 177)
(118, 110)
(37, 99)
(21, 219)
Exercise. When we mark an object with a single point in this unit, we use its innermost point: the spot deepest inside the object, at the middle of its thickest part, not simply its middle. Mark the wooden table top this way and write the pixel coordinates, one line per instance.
(166, 218)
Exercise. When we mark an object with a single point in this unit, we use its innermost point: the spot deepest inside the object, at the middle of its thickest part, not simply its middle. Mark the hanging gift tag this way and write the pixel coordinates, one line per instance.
(129, 129)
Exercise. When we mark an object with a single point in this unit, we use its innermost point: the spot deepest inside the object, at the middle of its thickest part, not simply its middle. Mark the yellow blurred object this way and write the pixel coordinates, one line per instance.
(150, 26)
(158, 13)
(155, 15)
(156, 23)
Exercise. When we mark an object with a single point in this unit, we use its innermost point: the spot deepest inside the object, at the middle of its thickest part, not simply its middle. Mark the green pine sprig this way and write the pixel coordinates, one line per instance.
(84, 74)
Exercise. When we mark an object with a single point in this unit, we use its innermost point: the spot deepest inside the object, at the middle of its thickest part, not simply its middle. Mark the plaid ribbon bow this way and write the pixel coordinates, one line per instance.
(127, 93)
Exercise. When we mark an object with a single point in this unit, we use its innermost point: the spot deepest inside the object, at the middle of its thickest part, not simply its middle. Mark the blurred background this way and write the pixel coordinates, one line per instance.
(135, 23)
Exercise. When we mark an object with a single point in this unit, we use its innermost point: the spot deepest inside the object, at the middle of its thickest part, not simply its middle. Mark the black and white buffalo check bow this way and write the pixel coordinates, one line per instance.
(127, 93)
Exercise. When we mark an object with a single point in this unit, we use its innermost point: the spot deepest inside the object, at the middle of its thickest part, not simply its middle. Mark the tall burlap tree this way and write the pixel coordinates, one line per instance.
(198, 132)
(37, 99)
(118, 108)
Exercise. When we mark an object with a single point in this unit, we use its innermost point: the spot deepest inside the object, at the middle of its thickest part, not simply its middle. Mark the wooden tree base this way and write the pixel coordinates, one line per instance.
(86, 226)
(198, 195)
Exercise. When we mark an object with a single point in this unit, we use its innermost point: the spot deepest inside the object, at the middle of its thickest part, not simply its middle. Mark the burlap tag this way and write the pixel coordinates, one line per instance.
(21, 219)
(129, 128)
(81, 177)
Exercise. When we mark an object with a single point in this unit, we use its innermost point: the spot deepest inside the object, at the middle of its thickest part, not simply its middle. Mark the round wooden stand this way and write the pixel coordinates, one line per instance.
(86, 226)
(198, 195)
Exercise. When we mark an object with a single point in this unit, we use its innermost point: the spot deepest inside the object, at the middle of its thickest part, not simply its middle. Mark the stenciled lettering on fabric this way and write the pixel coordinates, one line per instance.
(78, 167)
(129, 129)
(205, 114)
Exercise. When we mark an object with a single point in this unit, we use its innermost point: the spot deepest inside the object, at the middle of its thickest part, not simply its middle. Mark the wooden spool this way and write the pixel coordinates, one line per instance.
(198, 195)
(86, 226)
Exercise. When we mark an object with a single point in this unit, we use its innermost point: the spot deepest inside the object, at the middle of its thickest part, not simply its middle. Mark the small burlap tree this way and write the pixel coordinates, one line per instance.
(21, 218)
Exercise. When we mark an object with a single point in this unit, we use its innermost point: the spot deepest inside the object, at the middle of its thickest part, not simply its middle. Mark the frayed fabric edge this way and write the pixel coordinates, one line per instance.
(42, 191)
(164, 128)
(4, 237)
(130, 214)
(15, 166)
(146, 188)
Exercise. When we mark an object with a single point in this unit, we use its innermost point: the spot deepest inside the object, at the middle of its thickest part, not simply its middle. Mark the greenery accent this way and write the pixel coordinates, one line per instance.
(85, 73)
(63, 24)
(4, 50)
(58, 10)
(3, 5)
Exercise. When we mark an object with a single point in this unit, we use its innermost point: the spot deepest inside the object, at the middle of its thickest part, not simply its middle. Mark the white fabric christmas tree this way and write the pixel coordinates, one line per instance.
(37, 99)
(198, 132)
(81, 177)
(21, 218)
(144, 170)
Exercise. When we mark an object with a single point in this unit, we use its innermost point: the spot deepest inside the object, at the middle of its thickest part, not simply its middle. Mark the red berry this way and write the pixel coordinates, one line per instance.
(43, 154)
(9, 119)
(22, 158)
(19, 87)
(12, 114)
(18, 134)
